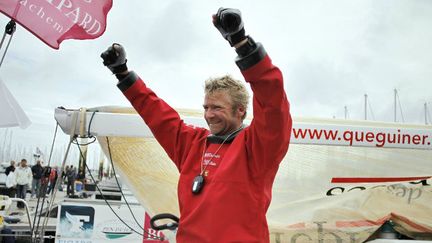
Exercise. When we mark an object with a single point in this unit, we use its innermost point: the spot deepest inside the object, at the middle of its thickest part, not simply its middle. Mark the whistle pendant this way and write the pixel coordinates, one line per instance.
(198, 184)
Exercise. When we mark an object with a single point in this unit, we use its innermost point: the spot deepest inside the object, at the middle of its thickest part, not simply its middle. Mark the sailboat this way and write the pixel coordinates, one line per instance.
(341, 180)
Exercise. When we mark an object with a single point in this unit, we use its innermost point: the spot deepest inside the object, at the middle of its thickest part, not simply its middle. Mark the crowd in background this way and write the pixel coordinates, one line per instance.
(39, 179)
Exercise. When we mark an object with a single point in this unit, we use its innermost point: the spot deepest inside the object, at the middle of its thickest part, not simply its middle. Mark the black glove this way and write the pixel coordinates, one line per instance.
(229, 22)
(115, 58)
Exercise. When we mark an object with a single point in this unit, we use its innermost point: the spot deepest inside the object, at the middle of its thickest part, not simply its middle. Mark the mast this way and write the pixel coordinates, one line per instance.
(346, 112)
(101, 165)
(395, 104)
(82, 161)
(425, 113)
(365, 106)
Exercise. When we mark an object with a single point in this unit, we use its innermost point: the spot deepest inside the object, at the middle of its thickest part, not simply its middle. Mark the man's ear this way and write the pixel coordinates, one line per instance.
(242, 111)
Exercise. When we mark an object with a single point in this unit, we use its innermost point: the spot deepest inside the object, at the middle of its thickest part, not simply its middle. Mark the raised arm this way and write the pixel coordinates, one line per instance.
(269, 133)
(165, 123)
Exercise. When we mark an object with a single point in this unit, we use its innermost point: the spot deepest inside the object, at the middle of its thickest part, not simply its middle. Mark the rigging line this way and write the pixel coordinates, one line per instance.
(100, 191)
(53, 195)
(115, 176)
(93, 138)
(42, 191)
(10, 30)
(90, 123)
(46, 187)
(118, 184)
(85, 144)
(36, 227)
(5, 33)
(400, 107)
(2, 40)
(88, 133)
(52, 145)
(109, 205)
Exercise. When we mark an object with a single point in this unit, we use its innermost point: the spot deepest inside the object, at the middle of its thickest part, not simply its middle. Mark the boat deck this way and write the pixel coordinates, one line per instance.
(33, 204)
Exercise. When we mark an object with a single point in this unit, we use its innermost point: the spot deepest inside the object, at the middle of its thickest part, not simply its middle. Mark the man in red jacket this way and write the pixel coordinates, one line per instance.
(226, 172)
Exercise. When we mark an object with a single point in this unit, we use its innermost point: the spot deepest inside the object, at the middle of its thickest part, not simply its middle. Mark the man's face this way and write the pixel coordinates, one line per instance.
(23, 163)
(219, 114)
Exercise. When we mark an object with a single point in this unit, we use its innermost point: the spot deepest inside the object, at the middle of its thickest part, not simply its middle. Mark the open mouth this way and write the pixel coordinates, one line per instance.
(214, 124)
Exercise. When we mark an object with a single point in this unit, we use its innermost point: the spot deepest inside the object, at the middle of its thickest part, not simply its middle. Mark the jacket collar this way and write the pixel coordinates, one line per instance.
(224, 138)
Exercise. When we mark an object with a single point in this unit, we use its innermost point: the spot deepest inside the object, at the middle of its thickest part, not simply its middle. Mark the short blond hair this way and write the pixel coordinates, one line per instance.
(235, 88)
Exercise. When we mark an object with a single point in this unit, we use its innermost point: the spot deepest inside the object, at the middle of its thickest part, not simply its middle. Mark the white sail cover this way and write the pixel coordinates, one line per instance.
(340, 186)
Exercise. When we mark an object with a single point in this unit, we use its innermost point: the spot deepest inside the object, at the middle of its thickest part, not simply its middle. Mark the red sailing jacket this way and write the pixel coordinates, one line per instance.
(233, 203)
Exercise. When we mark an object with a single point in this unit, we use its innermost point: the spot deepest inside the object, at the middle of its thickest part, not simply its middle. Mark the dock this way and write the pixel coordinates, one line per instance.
(23, 221)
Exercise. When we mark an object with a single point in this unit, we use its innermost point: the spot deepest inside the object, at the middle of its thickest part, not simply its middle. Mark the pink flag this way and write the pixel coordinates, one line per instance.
(53, 21)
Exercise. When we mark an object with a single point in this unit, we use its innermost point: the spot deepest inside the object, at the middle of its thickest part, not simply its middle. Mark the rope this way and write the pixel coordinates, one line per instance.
(53, 196)
(115, 176)
(118, 184)
(44, 188)
(52, 145)
(106, 201)
(73, 140)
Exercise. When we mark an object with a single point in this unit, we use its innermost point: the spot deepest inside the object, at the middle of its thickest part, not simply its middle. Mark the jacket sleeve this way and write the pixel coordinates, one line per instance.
(169, 129)
(269, 133)
(10, 180)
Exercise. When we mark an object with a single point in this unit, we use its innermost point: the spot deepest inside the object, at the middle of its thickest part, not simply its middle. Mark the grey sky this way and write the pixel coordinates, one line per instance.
(330, 52)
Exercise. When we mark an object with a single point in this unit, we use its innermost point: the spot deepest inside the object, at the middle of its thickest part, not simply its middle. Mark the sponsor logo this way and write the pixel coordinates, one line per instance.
(76, 221)
(114, 229)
